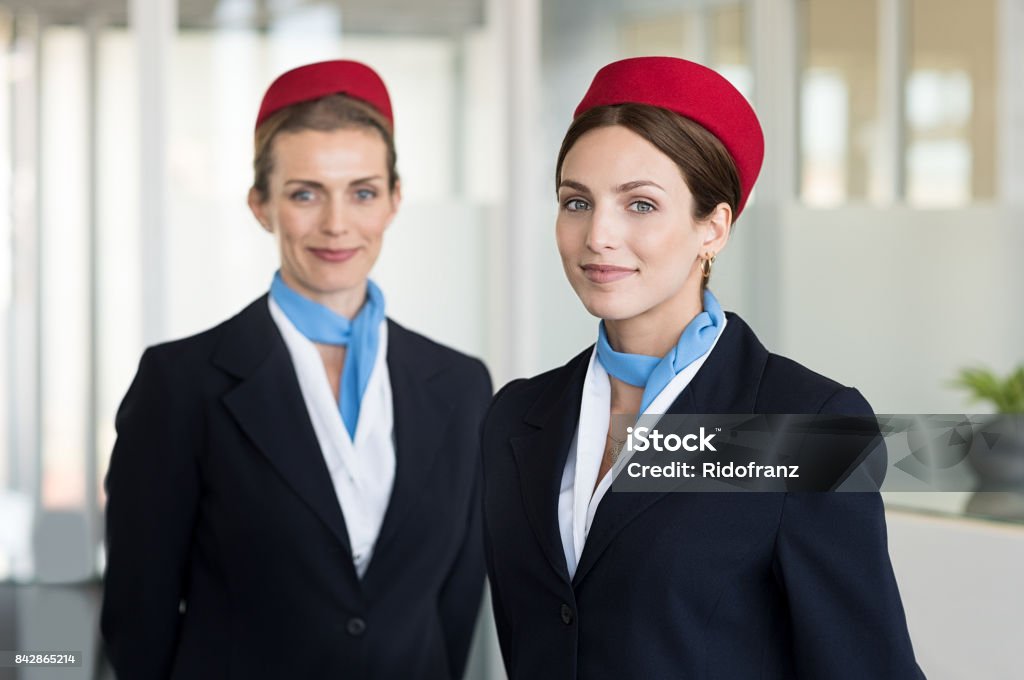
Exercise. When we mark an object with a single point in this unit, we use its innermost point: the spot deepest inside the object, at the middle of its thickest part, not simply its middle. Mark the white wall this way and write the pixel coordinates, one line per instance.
(962, 588)
(894, 301)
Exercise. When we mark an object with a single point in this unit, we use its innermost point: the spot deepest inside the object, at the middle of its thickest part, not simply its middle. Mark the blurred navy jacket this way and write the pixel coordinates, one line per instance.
(220, 501)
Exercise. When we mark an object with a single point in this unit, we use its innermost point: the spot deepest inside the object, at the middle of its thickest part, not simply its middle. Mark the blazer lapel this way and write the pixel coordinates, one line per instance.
(418, 411)
(726, 383)
(540, 456)
(268, 406)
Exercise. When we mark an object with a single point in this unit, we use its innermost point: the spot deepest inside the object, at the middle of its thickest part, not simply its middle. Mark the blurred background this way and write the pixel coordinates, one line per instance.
(883, 245)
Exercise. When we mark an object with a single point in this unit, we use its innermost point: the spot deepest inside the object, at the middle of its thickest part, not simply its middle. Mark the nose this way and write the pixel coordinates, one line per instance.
(603, 232)
(335, 218)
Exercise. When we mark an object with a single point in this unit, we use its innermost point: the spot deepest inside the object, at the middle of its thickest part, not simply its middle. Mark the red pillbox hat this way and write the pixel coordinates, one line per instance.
(693, 91)
(313, 81)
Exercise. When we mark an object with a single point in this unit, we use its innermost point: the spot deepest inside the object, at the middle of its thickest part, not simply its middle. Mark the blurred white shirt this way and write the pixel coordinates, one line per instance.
(363, 471)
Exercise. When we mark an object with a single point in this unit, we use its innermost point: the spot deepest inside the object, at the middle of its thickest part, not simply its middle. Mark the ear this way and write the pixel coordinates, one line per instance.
(717, 227)
(258, 208)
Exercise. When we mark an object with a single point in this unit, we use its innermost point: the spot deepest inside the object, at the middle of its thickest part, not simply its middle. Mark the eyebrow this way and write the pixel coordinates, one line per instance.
(319, 185)
(636, 184)
(570, 184)
(622, 188)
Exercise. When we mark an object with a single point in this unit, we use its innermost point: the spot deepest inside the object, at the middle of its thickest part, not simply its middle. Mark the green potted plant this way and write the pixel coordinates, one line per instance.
(1006, 394)
(997, 456)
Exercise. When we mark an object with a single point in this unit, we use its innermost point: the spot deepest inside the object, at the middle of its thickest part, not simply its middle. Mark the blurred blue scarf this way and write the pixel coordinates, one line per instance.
(360, 335)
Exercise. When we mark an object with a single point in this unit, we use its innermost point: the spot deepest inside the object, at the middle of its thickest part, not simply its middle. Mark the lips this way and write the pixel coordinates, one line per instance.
(606, 273)
(334, 254)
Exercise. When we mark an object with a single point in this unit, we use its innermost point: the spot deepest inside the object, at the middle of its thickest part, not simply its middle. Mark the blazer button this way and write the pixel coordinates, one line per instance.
(355, 626)
(567, 615)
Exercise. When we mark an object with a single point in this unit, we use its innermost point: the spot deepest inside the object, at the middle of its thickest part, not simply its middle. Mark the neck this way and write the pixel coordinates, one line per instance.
(345, 302)
(656, 331)
(626, 398)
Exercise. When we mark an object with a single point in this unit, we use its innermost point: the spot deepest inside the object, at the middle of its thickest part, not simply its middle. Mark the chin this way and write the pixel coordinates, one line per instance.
(335, 282)
(342, 284)
(611, 307)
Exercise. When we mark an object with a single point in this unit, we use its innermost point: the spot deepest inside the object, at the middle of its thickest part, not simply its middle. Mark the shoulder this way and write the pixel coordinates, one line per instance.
(177, 375)
(424, 349)
(450, 365)
(543, 387)
(765, 382)
(251, 326)
(791, 387)
(538, 394)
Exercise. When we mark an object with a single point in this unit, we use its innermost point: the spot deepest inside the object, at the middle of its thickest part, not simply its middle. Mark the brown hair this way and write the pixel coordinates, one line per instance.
(706, 166)
(328, 113)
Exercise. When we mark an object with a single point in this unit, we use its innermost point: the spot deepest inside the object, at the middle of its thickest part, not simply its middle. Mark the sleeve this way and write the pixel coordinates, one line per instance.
(832, 559)
(463, 587)
(152, 494)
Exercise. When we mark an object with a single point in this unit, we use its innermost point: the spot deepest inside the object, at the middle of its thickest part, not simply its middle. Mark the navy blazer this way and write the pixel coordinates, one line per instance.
(228, 555)
(698, 586)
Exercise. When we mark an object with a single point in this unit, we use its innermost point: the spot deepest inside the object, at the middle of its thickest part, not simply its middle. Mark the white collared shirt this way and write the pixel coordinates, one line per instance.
(576, 505)
(362, 472)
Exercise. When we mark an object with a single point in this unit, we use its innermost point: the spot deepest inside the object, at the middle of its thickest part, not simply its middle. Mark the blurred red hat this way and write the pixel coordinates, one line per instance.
(312, 81)
(693, 91)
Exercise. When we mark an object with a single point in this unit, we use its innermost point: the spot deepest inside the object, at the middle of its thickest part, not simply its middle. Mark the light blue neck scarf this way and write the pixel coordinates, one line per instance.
(653, 373)
(361, 335)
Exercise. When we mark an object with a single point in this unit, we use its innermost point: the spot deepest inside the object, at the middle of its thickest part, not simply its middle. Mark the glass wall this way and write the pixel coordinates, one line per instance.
(898, 102)
(840, 141)
(951, 103)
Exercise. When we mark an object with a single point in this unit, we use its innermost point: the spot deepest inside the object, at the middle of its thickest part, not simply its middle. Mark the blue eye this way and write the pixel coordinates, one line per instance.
(576, 205)
(302, 195)
(365, 194)
(642, 206)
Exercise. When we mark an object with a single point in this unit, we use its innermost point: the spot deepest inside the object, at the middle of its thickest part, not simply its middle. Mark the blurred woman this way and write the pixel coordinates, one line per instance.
(656, 166)
(294, 493)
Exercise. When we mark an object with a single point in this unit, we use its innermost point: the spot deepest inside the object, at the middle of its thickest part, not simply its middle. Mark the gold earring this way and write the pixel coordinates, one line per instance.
(705, 264)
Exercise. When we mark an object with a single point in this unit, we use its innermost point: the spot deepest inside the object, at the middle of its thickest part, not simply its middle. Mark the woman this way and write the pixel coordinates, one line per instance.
(657, 164)
(294, 493)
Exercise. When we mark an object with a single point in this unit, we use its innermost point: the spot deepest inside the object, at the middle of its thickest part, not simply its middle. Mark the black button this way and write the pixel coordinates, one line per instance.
(567, 615)
(355, 626)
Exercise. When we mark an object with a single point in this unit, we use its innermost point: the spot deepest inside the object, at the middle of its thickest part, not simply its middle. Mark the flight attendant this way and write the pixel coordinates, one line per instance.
(295, 493)
(589, 583)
